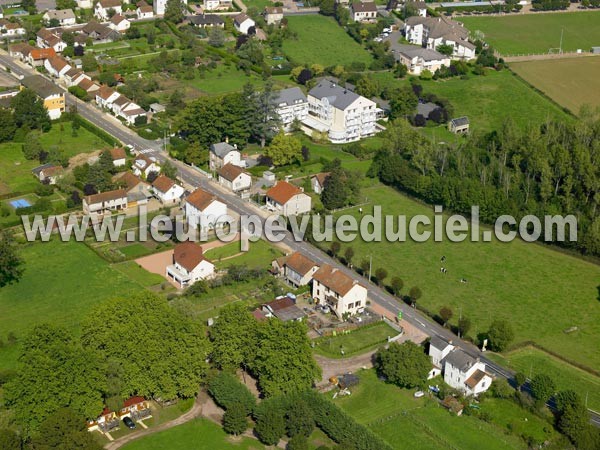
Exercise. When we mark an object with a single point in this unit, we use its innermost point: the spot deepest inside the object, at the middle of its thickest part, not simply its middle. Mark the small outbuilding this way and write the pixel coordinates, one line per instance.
(459, 125)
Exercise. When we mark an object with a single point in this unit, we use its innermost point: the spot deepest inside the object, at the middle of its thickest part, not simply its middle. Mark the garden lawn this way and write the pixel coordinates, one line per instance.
(538, 33)
(138, 274)
(260, 255)
(360, 340)
(61, 282)
(571, 83)
(199, 434)
(540, 291)
(408, 422)
(489, 100)
(532, 361)
(322, 41)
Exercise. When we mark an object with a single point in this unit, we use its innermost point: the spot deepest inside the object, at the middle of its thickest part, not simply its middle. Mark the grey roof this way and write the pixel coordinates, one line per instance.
(41, 86)
(38, 169)
(438, 342)
(364, 7)
(221, 149)
(338, 96)
(241, 18)
(289, 313)
(425, 108)
(459, 359)
(460, 121)
(60, 14)
(427, 54)
(290, 97)
(206, 19)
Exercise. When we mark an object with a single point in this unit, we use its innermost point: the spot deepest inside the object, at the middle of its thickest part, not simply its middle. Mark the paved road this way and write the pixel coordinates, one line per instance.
(192, 177)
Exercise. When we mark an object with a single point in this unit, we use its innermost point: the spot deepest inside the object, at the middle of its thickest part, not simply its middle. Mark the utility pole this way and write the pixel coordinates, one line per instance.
(370, 265)
(562, 30)
(459, 319)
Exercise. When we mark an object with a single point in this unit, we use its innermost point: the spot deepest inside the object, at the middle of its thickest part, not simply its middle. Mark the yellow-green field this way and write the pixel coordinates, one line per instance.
(571, 83)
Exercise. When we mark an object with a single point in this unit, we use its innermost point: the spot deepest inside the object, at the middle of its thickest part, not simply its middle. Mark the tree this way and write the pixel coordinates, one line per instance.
(405, 365)
(284, 149)
(168, 169)
(174, 11)
(348, 255)
(11, 264)
(235, 421)
(9, 127)
(335, 248)
(265, 120)
(340, 186)
(327, 7)
(216, 37)
(270, 423)
(233, 337)
(298, 442)
(446, 314)
(520, 379)
(284, 361)
(542, 387)
(32, 147)
(500, 335)
(64, 429)
(365, 264)
(367, 87)
(54, 372)
(229, 393)
(501, 389)
(154, 338)
(415, 294)
(10, 440)
(464, 325)
(403, 102)
(89, 63)
(299, 419)
(445, 49)
(381, 274)
(397, 285)
(304, 76)
(29, 111)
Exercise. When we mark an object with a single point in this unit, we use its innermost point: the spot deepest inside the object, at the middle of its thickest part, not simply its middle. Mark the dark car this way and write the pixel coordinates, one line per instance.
(129, 423)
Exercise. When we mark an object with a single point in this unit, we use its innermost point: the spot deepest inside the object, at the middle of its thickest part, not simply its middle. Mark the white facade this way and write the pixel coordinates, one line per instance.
(212, 216)
(291, 105)
(144, 166)
(55, 67)
(160, 6)
(65, 17)
(338, 291)
(119, 23)
(240, 183)
(172, 195)
(431, 32)
(222, 154)
(243, 23)
(102, 12)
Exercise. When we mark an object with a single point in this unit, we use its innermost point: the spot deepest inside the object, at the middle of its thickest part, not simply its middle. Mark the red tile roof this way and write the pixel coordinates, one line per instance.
(334, 279)
(133, 401)
(42, 53)
(200, 199)
(130, 180)
(282, 192)
(300, 263)
(163, 183)
(118, 153)
(230, 171)
(280, 303)
(105, 196)
(188, 255)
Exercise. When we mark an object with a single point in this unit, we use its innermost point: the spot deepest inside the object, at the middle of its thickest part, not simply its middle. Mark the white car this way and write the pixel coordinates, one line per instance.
(387, 30)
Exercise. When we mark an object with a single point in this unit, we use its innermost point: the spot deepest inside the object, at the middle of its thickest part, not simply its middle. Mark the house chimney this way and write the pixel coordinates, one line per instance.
(227, 139)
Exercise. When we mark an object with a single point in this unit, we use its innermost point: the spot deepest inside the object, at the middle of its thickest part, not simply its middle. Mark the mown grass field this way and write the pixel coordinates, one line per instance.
(532, 361)
(61, 282)
(542, 292)
(571, 83)
(408, 422)
(489, 100)
(538, 33)
(360, 340)
(322, 41)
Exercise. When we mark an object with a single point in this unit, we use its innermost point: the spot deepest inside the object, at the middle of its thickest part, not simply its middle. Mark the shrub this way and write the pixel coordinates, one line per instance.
(228, 391)
(235, 419)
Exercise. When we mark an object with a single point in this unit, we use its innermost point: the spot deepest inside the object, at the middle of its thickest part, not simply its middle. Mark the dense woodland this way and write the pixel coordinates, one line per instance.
(550, 169)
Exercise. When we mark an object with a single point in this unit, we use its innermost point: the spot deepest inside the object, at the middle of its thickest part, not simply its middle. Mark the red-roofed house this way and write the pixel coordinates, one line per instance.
(342, 293)
(167, 191)
(318, 182)
(119, 23)
(299, 269)
(234, 178)
(203, 211)
(37, 56)
(103, 7)
(57, 66)
(119, 157)
(189, 265)
(287, 199)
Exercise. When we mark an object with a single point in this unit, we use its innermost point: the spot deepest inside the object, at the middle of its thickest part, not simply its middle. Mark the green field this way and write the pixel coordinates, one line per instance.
(489, 100)
(199, 434)
(15, 170)
(407, 422)
(532, 361)
(322, 41)
(361, 340)
(61, 282)
(571, 83)
(260, 255)
(538, 33)
(526, 284)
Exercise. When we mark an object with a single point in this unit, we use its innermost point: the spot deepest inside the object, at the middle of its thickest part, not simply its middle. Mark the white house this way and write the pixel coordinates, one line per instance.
(189, 265)
(299, 269)
(160, 6)
(11, 29)
(460, 370)
(363, 11)
(167, 191)
(287, 199)
(49, 39)
(73, 76)
(273, 14)
(243, 23)
(84, 4)
(105, 97)
(48, 173)
(144, 10)
(105, 201)
(291, 104)
(317, 182)
(103, 7)
(417, 59)
(343, 294)
(130, 112)
(119, 23)
(341, 113)
(223, 153)
(65, 17)
(431, 32)
(234, 178)
(57, 66)
(203, 211)
(143, 166)
(119, 157)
